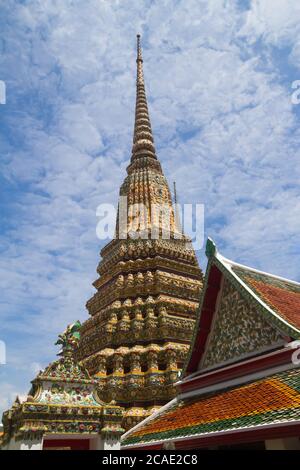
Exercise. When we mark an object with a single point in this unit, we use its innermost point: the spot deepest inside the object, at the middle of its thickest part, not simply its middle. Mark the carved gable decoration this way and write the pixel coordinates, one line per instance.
(238, 329)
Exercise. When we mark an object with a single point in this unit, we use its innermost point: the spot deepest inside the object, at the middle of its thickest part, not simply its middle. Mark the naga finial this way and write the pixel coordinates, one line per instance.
(69, 339)
(211, 248)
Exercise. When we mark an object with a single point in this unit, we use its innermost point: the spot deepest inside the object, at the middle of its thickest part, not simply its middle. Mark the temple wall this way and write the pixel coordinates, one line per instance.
(28, 444)
(107, 443)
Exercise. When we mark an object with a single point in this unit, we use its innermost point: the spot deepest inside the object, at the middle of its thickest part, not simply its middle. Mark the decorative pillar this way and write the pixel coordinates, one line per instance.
(172, 369)
(112, 427)
(152, 360)
(124, 323)
(101, 366)
(162, 316)
(149, 277)
(135, 363)
(130, 280)
(171, 358)
(138, 321)
(150, 321)
(110, 326)
(139, 279)
(120, 281)
(118, 368)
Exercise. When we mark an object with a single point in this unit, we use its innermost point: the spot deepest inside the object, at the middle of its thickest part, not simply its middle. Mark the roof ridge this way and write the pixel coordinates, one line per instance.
(258, 271)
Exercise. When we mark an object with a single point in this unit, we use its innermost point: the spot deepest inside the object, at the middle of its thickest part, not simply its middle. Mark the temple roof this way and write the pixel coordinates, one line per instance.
(270, 401)
(211, 405)
(275, 298)
(281, 295)
(278, 295)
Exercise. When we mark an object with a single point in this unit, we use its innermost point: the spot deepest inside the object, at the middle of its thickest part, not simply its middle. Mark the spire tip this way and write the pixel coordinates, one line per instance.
(139, 50)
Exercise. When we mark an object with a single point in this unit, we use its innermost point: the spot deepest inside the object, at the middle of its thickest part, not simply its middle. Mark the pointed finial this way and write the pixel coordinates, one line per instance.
(138, 48)
(175, 192)
(139, 61)
(143, 142)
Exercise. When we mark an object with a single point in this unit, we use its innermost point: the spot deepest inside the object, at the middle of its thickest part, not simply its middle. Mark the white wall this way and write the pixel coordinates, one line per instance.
(111, 443)
(27, 444)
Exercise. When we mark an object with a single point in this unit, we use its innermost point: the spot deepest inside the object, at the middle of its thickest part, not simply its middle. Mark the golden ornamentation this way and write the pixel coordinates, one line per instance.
(142, 315)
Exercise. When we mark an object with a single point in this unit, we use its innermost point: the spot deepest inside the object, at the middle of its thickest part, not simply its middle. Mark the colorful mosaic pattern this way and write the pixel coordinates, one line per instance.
(280, 295)
(68, 393)
(238, 329)
(63, 400)
(266, 401)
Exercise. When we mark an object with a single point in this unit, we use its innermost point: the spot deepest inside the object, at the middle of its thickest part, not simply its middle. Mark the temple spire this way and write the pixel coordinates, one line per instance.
(143, 142)
(139, 61)
(148, 287)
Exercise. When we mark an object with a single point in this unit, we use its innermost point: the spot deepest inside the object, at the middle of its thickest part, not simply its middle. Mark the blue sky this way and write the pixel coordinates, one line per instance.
(219, 81)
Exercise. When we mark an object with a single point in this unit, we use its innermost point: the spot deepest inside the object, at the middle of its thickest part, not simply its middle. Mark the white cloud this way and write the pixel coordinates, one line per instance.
(276, 23)
(8, 394)
(273, 20)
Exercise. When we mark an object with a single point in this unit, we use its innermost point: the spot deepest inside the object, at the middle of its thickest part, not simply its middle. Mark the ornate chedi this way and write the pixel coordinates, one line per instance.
(142, 315)
(63, 403)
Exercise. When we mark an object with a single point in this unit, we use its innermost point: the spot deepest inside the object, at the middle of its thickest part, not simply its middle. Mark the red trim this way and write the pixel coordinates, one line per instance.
(248, 366)
(239, 438)
(67, 444)
(251, 435)
(206, 316)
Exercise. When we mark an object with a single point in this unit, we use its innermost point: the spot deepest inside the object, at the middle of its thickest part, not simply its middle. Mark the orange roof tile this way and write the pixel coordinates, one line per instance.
(276, 398)
(281, 295)
(286, 303)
